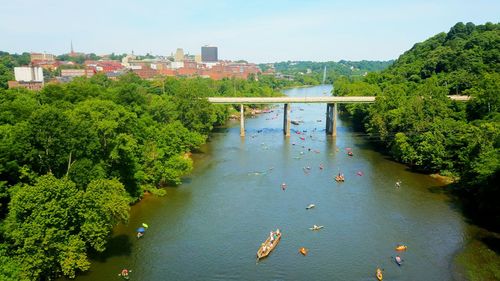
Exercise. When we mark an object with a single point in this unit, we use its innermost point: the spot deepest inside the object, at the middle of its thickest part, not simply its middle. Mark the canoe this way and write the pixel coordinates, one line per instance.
(303, 251)
(401, 248)
(379, 274)
(266, 247)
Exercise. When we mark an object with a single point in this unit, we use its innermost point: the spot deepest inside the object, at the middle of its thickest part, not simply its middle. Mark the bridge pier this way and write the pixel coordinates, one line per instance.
(286, 120)
(242, 120)
(331, 119)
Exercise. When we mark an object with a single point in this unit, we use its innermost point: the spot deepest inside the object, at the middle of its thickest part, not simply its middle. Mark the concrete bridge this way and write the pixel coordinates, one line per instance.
(331, 107)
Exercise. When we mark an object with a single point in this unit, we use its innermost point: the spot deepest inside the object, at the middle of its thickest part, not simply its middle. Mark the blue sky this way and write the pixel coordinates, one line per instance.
(255, 30)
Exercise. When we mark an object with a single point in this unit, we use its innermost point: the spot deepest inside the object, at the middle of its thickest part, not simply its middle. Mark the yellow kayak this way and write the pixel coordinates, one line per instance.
(379, 274)
(303, 251)
(401, 248)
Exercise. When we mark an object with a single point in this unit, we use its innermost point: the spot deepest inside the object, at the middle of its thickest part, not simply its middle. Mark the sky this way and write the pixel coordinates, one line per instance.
(254, 30)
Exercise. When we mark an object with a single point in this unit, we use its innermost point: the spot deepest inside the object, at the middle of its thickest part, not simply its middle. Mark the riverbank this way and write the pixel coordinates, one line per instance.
(249, 112)
(443, 179)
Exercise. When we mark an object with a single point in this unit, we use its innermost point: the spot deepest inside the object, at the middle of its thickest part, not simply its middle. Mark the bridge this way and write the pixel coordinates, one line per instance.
(331, 107)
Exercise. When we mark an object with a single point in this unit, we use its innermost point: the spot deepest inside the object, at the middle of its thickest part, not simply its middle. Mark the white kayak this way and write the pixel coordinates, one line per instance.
(316, 227)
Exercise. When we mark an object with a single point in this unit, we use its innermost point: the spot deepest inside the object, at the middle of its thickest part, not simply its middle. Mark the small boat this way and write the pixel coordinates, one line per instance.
(340, 178)
(379, 274)
(350, 153)
(401, 247)
(316, 227)
(310, 206)
(398, 260)
(124, 273)
(303, 251)
(266, 247)
(294, 122)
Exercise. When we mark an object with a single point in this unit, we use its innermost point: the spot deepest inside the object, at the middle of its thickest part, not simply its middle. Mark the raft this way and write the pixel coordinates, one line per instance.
(266, 247)
(339, 178)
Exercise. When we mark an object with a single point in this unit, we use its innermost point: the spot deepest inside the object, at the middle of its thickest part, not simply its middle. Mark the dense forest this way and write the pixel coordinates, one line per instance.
(74, 156)
(414, 121)
(311, 73)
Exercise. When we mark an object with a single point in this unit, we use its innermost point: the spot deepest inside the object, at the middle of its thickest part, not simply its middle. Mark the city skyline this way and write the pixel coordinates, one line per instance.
(255, 31)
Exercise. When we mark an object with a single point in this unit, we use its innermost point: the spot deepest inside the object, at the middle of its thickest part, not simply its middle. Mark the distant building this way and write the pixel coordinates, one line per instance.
(35, 86)
(77, 72)
(176, 64)
(197, 58)
(146, 73)
(127, 59)
(209, 54)
(28, 74)
(179, 55)
(35, 57)
(103, 66)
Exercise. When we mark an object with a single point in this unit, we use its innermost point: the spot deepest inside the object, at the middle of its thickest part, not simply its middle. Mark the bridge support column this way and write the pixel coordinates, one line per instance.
(242, 120)
(286, 120)
(331, 119)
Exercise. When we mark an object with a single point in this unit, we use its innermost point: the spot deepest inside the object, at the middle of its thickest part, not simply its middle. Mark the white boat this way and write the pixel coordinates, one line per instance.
(310, 206)
(316, 227)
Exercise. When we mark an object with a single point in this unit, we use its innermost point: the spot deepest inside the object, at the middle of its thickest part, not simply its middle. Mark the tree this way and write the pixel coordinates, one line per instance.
(52, 224)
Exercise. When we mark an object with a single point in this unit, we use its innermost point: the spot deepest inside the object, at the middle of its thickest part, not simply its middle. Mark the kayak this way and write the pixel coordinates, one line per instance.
(398, 260)
(401, 248)
(316, 227)
(379, 274)
(303, 251)
(310, 206)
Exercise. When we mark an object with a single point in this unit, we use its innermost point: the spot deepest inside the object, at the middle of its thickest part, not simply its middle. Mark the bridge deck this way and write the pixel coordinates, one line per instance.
(329, 99)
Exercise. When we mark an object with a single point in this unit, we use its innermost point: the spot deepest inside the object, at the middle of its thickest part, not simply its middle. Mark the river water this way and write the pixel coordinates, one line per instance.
(210, 227)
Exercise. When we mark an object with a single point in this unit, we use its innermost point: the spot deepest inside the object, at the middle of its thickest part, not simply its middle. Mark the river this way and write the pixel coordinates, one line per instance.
(211, 226)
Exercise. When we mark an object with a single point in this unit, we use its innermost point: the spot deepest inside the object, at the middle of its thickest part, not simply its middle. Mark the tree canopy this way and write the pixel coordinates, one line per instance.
(74, 156)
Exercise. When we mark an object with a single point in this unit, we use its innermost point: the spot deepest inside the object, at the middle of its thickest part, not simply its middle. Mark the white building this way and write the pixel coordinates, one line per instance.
(126, 59)
(28, 74)
(176, 64)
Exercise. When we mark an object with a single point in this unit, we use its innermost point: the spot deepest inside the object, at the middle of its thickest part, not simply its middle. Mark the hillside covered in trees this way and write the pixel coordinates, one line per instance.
(73, 157)
(418, 125)
(311, 73)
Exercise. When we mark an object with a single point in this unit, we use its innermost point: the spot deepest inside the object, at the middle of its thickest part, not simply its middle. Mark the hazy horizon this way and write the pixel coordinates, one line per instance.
(254, 31)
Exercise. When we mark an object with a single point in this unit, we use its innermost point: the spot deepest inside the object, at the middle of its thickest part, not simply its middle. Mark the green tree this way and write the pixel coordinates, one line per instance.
(52, 224)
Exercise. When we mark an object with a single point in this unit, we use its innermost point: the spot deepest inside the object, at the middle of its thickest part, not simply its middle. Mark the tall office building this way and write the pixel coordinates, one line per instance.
(209, 54)
(179, 55)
